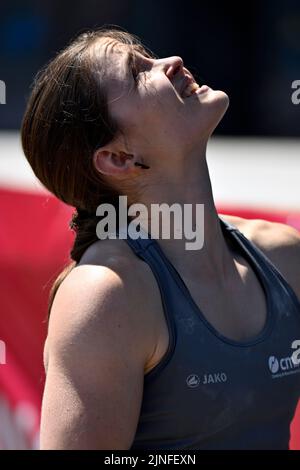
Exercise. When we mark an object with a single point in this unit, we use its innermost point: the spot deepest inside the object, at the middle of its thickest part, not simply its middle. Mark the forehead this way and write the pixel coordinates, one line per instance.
(113, 55)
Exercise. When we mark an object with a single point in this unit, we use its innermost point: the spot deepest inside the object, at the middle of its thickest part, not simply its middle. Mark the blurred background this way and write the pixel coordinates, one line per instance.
(251, 51)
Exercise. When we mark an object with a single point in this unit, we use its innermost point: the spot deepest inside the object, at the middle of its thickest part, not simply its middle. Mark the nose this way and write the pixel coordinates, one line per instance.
(173, 65)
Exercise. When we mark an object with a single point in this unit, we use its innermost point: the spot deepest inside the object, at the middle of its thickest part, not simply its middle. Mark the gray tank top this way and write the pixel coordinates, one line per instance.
(210, 392)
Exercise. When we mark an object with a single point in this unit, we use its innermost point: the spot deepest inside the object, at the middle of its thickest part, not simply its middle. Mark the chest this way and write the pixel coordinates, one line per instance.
(237, 310)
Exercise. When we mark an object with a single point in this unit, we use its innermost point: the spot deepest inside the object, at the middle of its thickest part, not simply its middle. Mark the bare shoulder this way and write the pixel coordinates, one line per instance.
(279, 242)
(107, 290)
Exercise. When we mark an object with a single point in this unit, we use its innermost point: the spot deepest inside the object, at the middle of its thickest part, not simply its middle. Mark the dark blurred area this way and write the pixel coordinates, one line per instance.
(251, 50)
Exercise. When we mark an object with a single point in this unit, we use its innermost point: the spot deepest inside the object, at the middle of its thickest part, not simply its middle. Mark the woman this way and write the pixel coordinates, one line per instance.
(150, 345)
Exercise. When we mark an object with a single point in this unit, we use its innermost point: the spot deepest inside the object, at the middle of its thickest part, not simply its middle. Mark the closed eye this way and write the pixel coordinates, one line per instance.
(136, 65)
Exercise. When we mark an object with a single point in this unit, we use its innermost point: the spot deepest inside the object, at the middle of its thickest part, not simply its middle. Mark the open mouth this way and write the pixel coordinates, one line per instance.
(190, 89)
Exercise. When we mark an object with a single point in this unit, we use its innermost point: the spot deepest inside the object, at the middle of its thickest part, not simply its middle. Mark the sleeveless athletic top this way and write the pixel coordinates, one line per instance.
(210, 392)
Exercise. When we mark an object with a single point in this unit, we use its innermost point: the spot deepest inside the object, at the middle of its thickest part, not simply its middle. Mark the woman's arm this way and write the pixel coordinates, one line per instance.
(97, 347)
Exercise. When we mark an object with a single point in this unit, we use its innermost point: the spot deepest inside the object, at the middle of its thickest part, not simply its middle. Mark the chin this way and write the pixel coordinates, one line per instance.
(223, 97)
(213, 106)
(222, 101)
(217, 103)
(218, 97)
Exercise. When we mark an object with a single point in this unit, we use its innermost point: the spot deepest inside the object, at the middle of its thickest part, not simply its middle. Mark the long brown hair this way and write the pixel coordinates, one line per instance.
(66, 119)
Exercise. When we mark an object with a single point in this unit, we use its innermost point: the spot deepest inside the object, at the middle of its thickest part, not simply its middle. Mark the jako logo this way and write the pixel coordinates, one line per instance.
(194, 380)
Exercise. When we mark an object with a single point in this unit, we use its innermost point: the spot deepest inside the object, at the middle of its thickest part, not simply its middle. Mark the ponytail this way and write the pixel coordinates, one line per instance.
(84, 224)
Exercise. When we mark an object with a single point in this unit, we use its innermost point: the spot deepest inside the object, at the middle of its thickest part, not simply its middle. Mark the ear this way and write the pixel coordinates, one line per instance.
(108, 162)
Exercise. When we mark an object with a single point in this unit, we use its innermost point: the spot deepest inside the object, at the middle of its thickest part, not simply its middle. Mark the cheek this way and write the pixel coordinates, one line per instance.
(153, 131)
(161, 110)
(152, 112)
(158, 115)
(157, 94)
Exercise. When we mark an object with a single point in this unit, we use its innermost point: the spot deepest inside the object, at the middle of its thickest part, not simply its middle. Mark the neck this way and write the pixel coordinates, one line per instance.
(190, 185)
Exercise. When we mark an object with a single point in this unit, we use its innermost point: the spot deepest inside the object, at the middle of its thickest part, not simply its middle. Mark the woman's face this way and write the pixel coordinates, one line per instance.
(147, 99)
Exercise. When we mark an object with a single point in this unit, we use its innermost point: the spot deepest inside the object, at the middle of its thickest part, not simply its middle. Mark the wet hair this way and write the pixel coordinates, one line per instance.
(66, 120)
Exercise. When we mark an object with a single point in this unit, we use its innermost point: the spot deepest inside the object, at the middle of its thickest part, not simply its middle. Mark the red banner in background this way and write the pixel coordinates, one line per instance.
(35, 242)
(34, 245)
